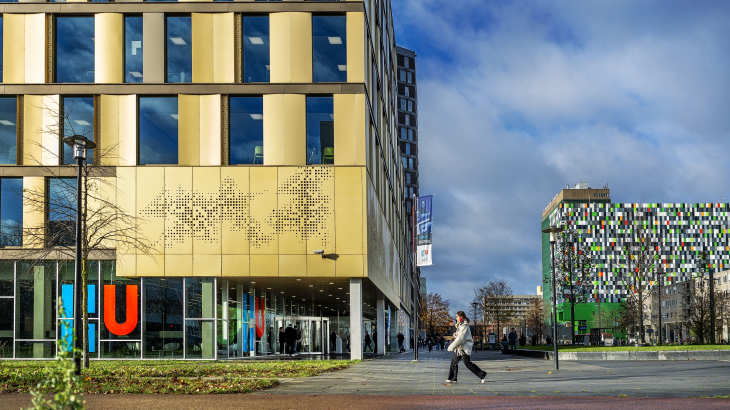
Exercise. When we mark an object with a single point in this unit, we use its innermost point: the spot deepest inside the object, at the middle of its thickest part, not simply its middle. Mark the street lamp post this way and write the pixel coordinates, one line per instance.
(553, 231)
(659, 280)
(79, 144)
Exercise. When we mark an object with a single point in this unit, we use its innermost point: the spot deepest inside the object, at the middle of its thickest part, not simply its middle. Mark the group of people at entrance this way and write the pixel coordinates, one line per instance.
(289, 339)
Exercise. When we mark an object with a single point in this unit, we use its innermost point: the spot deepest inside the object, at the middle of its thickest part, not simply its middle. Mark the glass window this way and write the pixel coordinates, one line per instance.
(405, 162)
(408, 177)
(163, 318)
(320, 130)
(256, 49)
(11, 212)
(158, 130)
(133, 60)
(247, 130)
(408, 149)
(410, 77)
(8, 129)
(410, 135)
(410, 163)
(402, 104)
(78, 114)
(35, 306)
(410, 106)
(408, 119)
(403, 133)
(179, 50)
(408, 91)
(1, 49)
(199, 298)
(402, 75)
(329, 49)
(61, 228)
(120, 288)
(405, 61)
(74, 50)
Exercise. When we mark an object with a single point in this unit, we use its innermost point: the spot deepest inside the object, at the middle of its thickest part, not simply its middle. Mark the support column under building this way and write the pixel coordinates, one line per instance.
(380, 327)
(356, 336)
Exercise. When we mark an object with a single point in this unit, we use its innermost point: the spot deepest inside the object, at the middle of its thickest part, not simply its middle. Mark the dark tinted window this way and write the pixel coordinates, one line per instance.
(255, 49)
(78, 120)
(329, 48)
(133, 61)
(320, 130)
(158, 130)
(179, 50)
(247, 130)
(8, 130)
(11, 211)
(74, 50)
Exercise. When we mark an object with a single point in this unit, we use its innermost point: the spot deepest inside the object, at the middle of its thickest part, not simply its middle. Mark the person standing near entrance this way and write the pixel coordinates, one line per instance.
(333, 342)
(297, 339)
(281, 340)
(290, 336)
(367, 343)
(513, 341)
(461, 346)
(401, 338)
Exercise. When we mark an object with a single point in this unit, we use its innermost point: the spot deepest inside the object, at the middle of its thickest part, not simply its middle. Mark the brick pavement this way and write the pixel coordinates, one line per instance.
(518, 376)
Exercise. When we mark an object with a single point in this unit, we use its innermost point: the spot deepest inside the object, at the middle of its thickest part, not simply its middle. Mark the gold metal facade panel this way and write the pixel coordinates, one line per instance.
(274, 130)
(236, 265)
(318, 203)
(188, 129)
(126, 265)
(349, 266)
(50, 113)
(150, 265)
(13, 48)
(150, 203)
(210, 130)
(179, 203)
(349, 210)
(224, 48)
(362, 119)
(178, 265)
(207, 265)
(33, 217)
(280, 47)
(32, 129)
(356, 47)
(126, 183)
(264, 265)
(207, 212)
(295, 130)
(301, 47)
(344, 111)
(291, 265)
(202, 37)
(236, 223)
(35, 48)
(290, 222)
(110, 129)
(263, 183)
(108, 48)
(319, 267)
(127, 130)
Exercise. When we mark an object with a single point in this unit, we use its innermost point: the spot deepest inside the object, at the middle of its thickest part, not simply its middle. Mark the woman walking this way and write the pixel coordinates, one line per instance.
(461, 346)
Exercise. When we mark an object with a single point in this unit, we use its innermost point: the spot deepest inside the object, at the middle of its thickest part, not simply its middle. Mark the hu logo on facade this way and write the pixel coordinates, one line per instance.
(110, 310)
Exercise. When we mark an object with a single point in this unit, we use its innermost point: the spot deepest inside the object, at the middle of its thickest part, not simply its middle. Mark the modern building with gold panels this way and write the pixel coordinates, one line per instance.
(255, 143)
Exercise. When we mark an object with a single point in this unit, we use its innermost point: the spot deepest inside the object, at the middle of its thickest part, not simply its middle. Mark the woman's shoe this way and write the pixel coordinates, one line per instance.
(450, 381)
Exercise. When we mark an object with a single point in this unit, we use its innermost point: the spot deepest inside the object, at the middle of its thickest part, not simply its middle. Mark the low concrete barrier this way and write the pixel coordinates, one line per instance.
(638, 355)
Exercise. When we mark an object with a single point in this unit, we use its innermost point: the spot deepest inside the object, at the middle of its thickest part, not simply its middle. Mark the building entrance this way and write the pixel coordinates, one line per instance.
(311, 332)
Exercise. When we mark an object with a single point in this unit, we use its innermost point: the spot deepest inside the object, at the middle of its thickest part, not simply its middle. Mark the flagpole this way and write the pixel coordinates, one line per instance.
(417, 307)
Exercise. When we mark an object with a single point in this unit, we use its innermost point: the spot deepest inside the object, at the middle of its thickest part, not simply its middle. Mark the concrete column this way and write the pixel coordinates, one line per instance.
(356, 336)
(153, 47)
(380, 327)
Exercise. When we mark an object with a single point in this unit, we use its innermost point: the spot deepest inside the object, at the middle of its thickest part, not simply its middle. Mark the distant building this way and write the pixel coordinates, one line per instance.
(423, 290)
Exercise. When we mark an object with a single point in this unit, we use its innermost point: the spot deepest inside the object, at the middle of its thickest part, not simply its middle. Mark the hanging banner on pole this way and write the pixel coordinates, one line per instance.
(424, 226)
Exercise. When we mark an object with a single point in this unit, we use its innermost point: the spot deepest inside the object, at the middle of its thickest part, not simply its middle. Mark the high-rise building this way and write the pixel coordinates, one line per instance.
(251, 147)
(408, 122)
(680, 231)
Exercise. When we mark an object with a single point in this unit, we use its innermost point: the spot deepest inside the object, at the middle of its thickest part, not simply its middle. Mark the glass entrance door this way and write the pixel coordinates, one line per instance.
(311, 330)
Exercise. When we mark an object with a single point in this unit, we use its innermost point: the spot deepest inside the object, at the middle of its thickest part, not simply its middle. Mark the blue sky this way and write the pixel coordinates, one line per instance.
(518, 99)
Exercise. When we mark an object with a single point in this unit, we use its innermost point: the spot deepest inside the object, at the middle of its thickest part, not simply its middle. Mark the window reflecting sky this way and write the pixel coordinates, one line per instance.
(247, 130)
(133, 49)
(11, 211)
(74, 49)
(329, 48)
(8, 130)
(179, 50)
(320, 129)
(61, 211)
(158, 130)
(255, 49)
(1, 48)
(79, 120)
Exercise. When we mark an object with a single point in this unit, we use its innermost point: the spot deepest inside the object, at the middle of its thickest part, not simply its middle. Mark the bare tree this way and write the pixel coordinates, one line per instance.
(696, 312)
(106, 228)
(574, 270)
(435, 313)
(496, 300)
(536, 318)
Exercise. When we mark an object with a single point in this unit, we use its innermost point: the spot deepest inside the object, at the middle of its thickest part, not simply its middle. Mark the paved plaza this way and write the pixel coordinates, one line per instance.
(518, 376)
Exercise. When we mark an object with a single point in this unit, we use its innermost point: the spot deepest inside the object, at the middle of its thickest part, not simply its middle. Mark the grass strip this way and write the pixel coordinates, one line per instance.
(627, 348)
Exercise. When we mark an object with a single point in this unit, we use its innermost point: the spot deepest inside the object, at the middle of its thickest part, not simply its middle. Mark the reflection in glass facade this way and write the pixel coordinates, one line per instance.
(320, 130)
(1, 49)
(246, 130)
(133, 59)
(256, 49)
(61, 227)
(78, 120)
(74, 49)
(179, 49)
(163, 318)
(158, 122)
(8, 130)
(11, 212)
(329, 49)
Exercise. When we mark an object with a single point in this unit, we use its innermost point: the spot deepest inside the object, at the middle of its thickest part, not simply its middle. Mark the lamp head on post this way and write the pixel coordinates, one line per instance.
(80, 144)
(553, 231)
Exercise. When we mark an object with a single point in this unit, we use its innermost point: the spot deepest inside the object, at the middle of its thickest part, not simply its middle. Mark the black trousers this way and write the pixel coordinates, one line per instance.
(454, 369)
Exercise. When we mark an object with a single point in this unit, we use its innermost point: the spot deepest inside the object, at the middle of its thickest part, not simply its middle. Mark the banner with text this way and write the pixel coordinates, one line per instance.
(424, 226)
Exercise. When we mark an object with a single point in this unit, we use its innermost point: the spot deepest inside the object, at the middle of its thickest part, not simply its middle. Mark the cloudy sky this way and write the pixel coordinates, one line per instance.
(518, 99)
